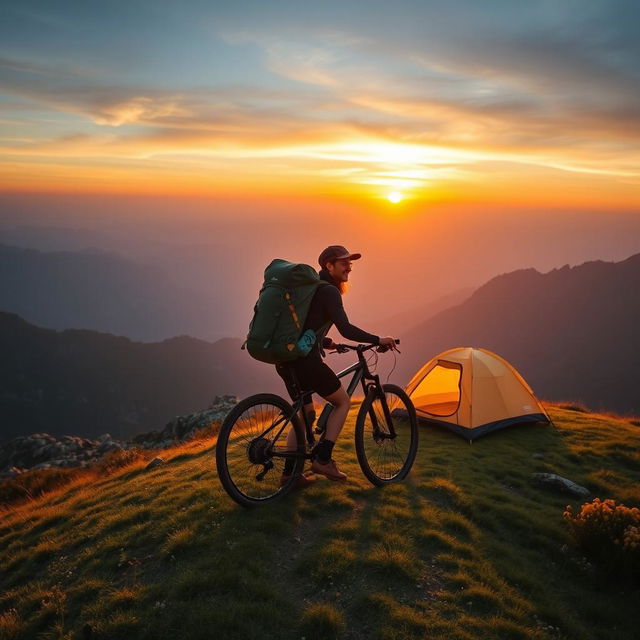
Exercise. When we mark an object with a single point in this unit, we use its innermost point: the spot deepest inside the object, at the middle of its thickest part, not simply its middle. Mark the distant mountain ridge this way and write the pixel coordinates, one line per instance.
(85, 383)
(102, 291)
(572, 332)
(402, 322)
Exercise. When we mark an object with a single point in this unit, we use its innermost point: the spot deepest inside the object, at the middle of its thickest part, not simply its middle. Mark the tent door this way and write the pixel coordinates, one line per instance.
(438, 394)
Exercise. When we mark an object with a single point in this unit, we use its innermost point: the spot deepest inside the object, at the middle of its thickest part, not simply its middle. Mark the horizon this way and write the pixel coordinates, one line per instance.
(446, 144)
(438, 301)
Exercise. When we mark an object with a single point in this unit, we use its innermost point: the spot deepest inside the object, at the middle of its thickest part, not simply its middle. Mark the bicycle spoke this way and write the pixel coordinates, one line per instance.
(385, 451)
(246, 481)
(251, 438)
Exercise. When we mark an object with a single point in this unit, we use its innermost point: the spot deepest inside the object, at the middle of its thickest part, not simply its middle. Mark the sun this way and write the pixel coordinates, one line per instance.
(394, 197)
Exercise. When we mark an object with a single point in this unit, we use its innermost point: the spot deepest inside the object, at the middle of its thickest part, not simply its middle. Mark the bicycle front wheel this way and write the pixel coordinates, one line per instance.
(386, 443)
(250, 448)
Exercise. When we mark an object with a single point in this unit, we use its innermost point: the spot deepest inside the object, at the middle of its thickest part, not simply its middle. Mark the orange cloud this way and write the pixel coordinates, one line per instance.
(497, 134)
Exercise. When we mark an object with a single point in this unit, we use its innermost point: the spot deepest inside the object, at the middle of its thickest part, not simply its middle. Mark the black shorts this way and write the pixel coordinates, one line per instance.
(312, 374)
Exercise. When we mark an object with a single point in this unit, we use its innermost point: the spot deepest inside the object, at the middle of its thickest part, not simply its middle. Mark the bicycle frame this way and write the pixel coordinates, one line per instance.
(361, 376)
(262, 446)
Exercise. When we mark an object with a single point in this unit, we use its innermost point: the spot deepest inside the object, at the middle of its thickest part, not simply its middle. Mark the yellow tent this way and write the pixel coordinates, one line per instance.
(472, 392)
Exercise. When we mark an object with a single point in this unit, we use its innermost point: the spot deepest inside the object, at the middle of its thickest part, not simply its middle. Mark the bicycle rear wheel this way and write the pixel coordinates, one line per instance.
(250, 442)
(383, 456)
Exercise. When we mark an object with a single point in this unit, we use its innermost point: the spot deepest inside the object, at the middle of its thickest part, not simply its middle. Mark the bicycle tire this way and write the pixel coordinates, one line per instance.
(239, 445)
(386, 460)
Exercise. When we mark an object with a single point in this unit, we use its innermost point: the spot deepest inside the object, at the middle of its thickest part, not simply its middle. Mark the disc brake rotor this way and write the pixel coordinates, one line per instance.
(259, 451)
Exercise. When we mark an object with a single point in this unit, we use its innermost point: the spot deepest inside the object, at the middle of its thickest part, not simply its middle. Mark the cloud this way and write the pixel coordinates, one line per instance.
(301, 63)
(544, 85)
(512, 83)
(139, 109)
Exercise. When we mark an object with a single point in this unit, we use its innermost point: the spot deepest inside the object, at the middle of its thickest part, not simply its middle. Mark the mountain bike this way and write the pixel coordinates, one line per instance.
(251, 448)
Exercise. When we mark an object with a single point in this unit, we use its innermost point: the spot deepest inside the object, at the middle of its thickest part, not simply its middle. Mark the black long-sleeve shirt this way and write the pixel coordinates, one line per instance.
(327, 306)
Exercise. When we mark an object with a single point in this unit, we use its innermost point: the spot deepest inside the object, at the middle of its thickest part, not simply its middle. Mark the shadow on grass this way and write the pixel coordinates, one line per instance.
(466, 543)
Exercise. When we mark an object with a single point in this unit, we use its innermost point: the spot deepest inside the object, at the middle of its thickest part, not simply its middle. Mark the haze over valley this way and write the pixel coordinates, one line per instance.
(571, 332)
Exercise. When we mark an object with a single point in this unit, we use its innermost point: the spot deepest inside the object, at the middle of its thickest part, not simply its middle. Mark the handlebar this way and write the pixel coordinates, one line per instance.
(361, 348)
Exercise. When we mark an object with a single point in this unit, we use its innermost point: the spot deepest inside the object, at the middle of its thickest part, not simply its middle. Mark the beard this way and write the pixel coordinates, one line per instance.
(343, 287)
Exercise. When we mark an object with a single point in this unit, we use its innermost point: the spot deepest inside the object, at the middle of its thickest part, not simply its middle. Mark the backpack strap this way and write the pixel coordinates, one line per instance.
(322, 331)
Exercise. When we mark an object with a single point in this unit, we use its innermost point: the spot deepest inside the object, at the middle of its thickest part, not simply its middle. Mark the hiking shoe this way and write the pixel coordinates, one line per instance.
(300, 481)
(328, 469)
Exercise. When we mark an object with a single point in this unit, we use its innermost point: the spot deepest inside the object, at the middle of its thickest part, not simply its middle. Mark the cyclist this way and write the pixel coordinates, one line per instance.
(313, 374)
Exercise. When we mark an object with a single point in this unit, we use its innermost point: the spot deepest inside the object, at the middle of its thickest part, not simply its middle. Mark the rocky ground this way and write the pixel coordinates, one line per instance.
(44, 451)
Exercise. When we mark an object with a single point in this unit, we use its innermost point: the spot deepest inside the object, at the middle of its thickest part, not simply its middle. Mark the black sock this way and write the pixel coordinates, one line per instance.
(324, 450)
(289, 464)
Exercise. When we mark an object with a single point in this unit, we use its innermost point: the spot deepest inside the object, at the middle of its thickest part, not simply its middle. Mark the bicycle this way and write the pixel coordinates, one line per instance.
(251, 448)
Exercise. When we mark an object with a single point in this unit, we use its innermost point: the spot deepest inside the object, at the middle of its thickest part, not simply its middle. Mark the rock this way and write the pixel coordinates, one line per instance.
(108, 447)
(559, 484)
(186, 427)
(156, 462)
(223, 402)
(53, 449)
(40, 451)
(72, 444)
(44, 451)
(42, 436)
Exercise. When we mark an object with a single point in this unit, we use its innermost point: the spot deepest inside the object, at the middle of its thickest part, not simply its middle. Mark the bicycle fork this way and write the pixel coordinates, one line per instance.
(378, 433)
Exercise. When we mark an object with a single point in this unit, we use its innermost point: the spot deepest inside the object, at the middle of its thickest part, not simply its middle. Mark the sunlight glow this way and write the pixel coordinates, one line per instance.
(394, 197)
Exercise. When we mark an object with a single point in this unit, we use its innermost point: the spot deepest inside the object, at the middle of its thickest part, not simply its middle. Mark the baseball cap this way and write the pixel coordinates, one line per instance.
(336, 252)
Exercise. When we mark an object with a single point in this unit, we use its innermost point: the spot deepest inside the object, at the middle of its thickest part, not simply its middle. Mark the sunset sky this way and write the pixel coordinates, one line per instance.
(512, 116)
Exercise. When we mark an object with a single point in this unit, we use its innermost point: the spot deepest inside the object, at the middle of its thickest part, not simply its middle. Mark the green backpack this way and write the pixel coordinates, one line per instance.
(275, 333)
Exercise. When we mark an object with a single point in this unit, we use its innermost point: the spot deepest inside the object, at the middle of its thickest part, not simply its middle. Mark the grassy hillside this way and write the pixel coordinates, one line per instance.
(466, 548)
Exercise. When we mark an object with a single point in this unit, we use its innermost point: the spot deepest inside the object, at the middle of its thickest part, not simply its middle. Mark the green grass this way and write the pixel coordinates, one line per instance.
(466, 548)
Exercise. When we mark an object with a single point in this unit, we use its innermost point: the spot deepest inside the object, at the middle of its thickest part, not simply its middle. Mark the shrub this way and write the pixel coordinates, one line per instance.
(34, 484)
(609, 533)
(115, 460)
(574, 406)
(322, 621)
(11, 626)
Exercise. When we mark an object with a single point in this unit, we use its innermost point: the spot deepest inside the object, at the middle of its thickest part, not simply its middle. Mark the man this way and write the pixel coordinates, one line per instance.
(313, 374)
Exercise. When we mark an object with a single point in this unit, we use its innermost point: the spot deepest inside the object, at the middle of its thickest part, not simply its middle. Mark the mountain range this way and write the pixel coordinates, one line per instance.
(75, 278)
(571, 332)
(103, 291)
(87, 383)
